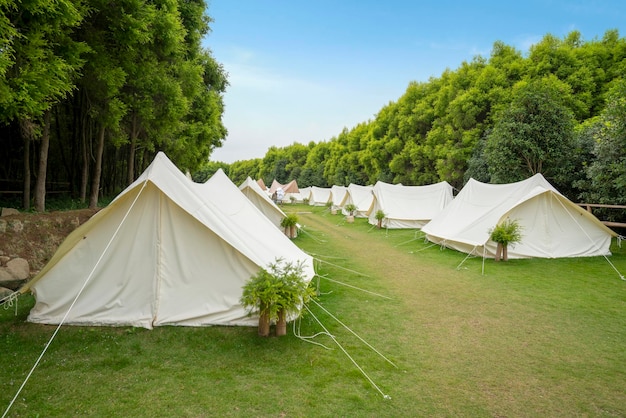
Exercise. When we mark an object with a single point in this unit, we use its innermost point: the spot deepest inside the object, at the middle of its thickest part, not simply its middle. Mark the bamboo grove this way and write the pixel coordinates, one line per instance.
(90, 90)
(560, 110)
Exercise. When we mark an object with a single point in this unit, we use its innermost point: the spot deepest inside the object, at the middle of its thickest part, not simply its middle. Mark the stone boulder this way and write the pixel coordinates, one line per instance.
(9, 212)
(19, 268)
(4, 292)
(14, 273)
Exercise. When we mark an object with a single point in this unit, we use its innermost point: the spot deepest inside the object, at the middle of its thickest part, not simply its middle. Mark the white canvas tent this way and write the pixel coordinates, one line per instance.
(305, 193)
(285, 191)
(319, 196)
(262, 201)
(361, 197)
(337, 193)
(552, 226)
(161, 254)
(408, 206)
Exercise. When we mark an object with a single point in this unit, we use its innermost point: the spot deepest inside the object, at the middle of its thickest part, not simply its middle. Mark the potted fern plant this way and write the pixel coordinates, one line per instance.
(380, 215)
(350, 208)
(290, 224)
(277, 292)
(504, 234)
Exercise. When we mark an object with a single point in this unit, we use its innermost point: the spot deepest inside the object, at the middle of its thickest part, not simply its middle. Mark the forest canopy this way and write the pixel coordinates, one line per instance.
(90, 93)
(557, 110)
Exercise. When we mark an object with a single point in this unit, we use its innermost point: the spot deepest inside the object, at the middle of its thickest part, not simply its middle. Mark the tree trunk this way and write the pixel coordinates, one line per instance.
(27, 131)
(505, 253)
(281, 324)
(264, 322)
(97, 172)
(85, 158)
(131, 151)
(350, 219)
(294, 231)
(498, 251)
(380, 223)
(40, 186)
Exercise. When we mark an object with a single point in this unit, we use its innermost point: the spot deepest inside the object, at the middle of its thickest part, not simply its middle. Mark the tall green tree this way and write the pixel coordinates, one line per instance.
(39, 62)
(534, 134)
(607, 173)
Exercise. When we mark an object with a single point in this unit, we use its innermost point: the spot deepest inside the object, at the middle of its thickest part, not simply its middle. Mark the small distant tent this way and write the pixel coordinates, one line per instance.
(552, 226)
(262, 201)
(305, 193)
(337, 193)
(289, 190)
(361, 197)
(262, 185)
(408, 206)
(319, 196)
(165, 251)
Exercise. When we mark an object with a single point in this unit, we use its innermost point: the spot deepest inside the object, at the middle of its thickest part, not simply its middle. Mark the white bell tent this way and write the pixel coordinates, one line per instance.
(337, 193)
(162, 253)
(319, 196)
(408, 206)
(361, 197)
(552, 225)
(262, 201)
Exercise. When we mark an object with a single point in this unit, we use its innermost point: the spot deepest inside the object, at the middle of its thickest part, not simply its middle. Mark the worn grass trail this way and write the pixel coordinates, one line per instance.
(527, 338)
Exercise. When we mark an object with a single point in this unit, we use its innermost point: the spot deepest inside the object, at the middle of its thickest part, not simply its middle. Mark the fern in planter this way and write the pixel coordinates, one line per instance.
(504, 234)
(290, 223)
(350, 208)
(380, 215)
(276, 293)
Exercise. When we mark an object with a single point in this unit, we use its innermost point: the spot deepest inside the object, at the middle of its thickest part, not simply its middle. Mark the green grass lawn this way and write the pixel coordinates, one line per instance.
(526, 338)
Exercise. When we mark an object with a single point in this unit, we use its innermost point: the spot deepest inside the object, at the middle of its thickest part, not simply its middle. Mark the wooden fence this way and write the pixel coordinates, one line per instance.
(589, 207)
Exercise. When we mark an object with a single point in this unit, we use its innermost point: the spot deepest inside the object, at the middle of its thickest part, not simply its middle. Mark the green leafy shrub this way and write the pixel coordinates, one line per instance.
(507, 232)
(275, 292)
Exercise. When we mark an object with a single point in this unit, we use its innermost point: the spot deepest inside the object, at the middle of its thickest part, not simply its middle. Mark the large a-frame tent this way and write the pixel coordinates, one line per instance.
(289, 190)
(319, 196)
(262, 201)
(408, 206)
(361, 197)
(552, 226)
(337, 193)
(161, 254)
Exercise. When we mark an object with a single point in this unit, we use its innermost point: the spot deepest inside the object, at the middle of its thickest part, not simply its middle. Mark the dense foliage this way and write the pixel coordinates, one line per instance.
(94, 89)
(558, 111)
(115, 85)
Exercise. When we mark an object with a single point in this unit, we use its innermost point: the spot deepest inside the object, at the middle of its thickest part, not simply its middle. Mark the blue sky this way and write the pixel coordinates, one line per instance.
(301, 71)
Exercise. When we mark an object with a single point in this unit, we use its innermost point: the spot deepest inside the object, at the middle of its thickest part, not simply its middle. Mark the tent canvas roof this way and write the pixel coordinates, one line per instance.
(337, 193)
(291, 187)
(319, 196)
(262, 201)
(166, 251)
(408, 206)
(360, 196)
(552, 226)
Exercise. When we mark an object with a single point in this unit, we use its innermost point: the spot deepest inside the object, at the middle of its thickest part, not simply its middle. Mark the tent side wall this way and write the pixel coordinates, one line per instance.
(553, 227)
(122, 288)
(210, 296)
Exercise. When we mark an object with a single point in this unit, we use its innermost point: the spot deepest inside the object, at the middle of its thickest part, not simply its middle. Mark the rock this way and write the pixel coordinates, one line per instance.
(4, 292)
(3, 226)
(18, 268)
(5, 276)
(16, 225)
(4, 259)
(9, 212)
(8, 281)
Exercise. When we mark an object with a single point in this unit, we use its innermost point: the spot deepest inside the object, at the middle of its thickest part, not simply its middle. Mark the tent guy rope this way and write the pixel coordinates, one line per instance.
(385, 396)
